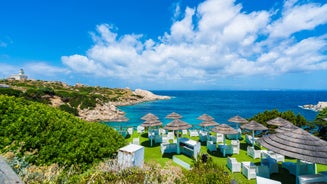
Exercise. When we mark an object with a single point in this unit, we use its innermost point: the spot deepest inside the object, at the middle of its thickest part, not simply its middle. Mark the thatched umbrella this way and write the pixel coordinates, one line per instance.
(149, 116)
(208, 123)
(177, 124)
(205, 117)
(238, 120)
(173, 115)
(288, 127)
(278, 122)
(224, 129)
(253, 125)
(151, 123)
(297, 144)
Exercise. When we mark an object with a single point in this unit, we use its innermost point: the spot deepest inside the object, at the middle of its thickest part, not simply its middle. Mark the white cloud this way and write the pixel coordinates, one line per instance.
(221, 41)
(297, 18)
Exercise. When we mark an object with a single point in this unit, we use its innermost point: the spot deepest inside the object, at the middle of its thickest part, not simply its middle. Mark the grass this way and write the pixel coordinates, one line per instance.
(153, 154)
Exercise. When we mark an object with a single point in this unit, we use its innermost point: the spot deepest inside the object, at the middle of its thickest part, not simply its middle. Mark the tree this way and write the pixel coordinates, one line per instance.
(321, 122)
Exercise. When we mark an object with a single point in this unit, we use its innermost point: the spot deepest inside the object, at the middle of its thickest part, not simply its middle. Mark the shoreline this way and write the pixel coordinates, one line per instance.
(109, 112)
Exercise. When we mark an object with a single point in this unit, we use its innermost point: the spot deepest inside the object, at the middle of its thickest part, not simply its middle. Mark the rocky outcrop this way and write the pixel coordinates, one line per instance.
(149, 96)
(106, 112)
(110, 112)
(318, 107)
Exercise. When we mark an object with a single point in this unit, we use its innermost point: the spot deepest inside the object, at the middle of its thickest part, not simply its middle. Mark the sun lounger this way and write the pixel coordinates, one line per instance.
(273, 155)
(130, 131)
(312, 178)
(253, 153)
(211, 146)
(236, 146)
(262, 180)
(193, 133)
(249, 170)
(233, 165)
(306, 168)
(136, 141)
(263, 171)
(220, 138)
(271, 164)
(140, 129)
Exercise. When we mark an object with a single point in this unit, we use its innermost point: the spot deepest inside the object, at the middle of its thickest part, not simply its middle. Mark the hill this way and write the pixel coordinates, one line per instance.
(87, 102)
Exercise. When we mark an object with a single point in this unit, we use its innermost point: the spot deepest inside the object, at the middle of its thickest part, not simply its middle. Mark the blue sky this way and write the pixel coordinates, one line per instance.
(167, 44)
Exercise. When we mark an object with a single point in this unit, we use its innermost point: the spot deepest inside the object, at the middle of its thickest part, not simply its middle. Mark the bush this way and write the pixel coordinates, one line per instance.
(52, 135)
(207, 173)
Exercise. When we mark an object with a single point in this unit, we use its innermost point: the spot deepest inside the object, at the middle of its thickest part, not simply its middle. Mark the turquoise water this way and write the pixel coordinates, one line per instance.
(222, 105)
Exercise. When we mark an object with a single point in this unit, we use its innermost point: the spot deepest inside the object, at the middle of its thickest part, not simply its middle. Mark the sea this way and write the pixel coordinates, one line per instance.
(221, 105)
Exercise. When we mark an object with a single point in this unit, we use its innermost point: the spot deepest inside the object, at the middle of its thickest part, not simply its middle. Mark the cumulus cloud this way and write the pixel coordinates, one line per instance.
(214, 40)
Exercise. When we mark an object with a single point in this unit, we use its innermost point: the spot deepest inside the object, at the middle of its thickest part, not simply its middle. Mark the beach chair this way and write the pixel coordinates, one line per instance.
(130, 130)
(233, 165)
(249, 170)
(140, 129)
(220, 138)
(263, 171)
(253, 153)
(262, 180)
(211, 146)
(170, 136)
(236, 146)
(271, 163)
(136, 141)
(193, 133)
(184, 132)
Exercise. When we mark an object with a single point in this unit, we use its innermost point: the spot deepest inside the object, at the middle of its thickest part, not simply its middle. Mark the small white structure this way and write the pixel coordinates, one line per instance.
(20, 76)
(131, 155)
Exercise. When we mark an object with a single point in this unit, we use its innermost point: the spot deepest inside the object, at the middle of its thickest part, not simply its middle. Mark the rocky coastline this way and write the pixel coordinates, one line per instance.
(110, 112)
(318, 107)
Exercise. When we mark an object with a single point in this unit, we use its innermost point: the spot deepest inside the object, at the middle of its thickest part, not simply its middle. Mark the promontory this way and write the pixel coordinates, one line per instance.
(91, 103)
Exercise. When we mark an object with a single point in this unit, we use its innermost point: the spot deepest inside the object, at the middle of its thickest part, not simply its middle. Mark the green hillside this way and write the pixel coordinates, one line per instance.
(72, 98)
(43, 135)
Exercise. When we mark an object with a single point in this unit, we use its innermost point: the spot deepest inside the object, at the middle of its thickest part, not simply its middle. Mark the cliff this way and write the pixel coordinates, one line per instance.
(318, 107)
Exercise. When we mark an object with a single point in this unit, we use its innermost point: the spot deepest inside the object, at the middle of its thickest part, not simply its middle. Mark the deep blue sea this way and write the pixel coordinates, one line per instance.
(222, 105)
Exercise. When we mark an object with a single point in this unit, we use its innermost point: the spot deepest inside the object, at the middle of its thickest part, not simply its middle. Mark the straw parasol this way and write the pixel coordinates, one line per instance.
(173, 115)
(224, 129)
(177, 124)
(208, 123)
(278, 122)
(288, 127)
(297, 144)
(151, 123)
(205, 117)
(238, 120)
(149, 116)
(253, 125)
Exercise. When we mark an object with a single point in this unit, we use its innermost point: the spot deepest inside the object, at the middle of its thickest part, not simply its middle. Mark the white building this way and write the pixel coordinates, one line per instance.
(20, 76)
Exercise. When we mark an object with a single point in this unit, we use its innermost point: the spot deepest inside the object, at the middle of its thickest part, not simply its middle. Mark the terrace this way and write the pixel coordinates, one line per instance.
(153, 154)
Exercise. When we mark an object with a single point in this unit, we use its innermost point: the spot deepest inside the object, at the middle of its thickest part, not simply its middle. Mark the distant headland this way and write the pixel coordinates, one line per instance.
(318, 107)
(91, 103)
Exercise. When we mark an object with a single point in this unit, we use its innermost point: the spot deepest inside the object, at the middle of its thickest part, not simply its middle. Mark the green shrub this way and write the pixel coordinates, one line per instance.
(52, 135)
(207, 173)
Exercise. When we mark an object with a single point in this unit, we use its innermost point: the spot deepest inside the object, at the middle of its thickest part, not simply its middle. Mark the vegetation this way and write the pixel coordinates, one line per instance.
(43, 135)
(321, 122)
(73, 97)
(265, 116)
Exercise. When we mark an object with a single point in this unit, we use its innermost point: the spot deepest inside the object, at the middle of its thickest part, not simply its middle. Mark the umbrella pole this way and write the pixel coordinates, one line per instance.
(252, 138)
(237, 131)
(178, 150)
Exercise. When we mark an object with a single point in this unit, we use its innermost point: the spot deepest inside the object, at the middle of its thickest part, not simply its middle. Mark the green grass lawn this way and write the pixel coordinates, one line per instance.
(153, 154)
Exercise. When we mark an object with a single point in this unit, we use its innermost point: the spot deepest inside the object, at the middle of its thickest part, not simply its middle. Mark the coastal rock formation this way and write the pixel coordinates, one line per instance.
(318, 107)
(149, 96)
(106, 112)
(110, 112)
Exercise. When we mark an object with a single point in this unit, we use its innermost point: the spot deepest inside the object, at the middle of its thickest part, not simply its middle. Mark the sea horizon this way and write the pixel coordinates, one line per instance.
(222, 104)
